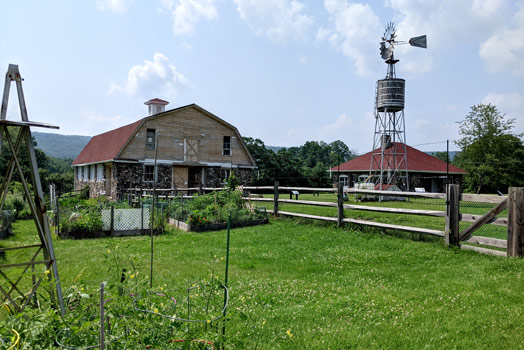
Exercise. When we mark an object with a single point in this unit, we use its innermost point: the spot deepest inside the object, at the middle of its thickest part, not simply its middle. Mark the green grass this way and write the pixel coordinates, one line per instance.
(328, 288)
(429, 222)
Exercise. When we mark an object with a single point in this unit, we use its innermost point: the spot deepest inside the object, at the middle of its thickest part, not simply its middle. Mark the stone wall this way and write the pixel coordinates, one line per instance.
(94, 187)
(213, 176)
(129, 175)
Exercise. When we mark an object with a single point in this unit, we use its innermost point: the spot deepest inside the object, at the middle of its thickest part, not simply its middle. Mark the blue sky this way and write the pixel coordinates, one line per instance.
(284, 71)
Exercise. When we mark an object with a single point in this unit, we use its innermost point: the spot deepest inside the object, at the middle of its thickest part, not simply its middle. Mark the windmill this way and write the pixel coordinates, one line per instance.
(389, 164)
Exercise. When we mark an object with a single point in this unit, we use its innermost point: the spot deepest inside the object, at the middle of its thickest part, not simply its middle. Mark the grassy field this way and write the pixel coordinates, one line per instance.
(305, 285)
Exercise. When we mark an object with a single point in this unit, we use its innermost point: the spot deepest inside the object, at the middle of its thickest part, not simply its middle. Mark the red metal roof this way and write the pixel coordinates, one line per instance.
(418, 161)
(107, 145)
(156, 101)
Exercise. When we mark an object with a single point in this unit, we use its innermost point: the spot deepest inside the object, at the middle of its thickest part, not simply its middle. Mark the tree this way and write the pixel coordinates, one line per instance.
(306, 165)
(491, 153)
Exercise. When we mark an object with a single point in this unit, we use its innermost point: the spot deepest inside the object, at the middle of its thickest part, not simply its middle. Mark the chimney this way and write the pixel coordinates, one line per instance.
(156, 106)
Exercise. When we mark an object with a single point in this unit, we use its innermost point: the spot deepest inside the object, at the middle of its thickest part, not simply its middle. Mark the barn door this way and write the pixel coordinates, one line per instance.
(191, 150)
(180, 177)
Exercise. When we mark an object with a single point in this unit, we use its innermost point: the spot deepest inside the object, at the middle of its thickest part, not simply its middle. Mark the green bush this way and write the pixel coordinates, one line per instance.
(213, 208)
(81, 223)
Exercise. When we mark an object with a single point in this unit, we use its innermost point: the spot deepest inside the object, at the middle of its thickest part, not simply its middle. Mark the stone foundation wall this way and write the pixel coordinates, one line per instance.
(213, 176)
(130, 175)
(94, 187)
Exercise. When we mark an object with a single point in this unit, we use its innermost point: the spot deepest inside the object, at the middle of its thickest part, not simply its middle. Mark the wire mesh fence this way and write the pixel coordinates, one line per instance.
(471, 211)
(85, 220)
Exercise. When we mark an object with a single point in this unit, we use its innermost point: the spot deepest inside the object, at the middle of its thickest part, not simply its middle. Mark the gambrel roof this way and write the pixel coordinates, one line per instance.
(418, 161)
(109, 145)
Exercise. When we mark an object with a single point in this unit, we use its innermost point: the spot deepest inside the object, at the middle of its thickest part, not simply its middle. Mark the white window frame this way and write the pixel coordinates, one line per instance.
(100, 172)
(154, 172)
(225, 173)
(228, 149)
(344, 179)
(150, 146)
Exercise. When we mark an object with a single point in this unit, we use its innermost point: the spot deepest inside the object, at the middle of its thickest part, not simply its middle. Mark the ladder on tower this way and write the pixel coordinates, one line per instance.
(16, 134)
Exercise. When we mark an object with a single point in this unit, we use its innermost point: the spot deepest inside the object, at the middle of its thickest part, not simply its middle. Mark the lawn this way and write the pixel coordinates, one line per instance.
(297, 284)
(435, 223)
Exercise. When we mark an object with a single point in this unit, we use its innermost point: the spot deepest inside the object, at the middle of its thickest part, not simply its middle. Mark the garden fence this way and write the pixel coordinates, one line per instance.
(497, 221)
(108, 219)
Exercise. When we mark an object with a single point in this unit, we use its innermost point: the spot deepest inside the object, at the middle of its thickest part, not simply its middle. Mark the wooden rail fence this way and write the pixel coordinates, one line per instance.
(514, 244)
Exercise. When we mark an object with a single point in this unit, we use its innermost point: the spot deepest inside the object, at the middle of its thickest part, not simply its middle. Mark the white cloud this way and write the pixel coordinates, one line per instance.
(278, 20)
(187, 13)
(486, 8)
(157, 78)
(115, 89)
(112, 5)
(504, 50)
(97, 123)
(355, 32)
(450, 24)
(511, 104)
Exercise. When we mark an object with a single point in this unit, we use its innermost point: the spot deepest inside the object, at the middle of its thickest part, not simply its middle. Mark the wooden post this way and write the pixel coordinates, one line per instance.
(516, 221)
(275, 199)
(102, 315)
(452, 214)
(57, 217)
(340, 205)
(112, 224)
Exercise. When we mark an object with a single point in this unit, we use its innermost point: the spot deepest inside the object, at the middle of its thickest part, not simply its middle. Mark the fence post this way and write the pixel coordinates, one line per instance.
(452, 214)
(516, 222)
(340, 205)
(141, 215)
(102, 315)
(57, 217)
(275, 199)
(112, 225)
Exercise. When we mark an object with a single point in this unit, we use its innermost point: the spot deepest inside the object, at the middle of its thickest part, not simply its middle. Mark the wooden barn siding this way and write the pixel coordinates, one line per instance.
(173, 128)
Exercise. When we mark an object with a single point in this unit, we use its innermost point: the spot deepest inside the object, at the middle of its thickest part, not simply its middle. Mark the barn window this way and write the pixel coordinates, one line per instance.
(344, 180)
(150, 139)
(225, 173)
(226, 148)
(149, 173)
(100, 172)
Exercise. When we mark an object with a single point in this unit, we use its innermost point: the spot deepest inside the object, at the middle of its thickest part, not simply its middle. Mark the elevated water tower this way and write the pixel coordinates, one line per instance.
(389, 163)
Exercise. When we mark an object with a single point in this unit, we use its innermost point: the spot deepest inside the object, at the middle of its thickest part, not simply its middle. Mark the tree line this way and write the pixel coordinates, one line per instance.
(306, 165)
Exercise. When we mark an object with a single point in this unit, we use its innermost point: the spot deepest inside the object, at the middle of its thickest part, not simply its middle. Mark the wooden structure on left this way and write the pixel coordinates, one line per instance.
(16, 134)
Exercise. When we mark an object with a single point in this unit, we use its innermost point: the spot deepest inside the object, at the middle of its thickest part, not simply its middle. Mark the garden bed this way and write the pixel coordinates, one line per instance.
(215, 226)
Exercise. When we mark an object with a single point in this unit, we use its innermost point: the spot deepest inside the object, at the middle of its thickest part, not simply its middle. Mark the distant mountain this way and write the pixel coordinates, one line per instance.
(274, 148)
(452, 154)
(60, 146)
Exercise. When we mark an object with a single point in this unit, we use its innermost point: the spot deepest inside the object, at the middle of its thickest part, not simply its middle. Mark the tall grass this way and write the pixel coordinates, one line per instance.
(299, 285)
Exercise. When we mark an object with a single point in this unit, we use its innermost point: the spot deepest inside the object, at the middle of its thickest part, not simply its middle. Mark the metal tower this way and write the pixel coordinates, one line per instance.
(389, 163)
(16, 274)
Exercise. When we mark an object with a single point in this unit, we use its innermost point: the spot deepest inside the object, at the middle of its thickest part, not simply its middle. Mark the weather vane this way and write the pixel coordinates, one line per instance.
(387, 45)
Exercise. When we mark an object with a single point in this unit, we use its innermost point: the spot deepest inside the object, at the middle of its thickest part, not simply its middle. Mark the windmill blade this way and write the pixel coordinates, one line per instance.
(419, 41)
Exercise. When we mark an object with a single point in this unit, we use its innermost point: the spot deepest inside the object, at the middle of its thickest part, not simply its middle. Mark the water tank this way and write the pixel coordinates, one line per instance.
(390, 95)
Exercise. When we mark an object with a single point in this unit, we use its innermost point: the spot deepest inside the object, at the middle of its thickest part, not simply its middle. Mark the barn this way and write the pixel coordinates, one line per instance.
(192, 147)
(424, 171)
